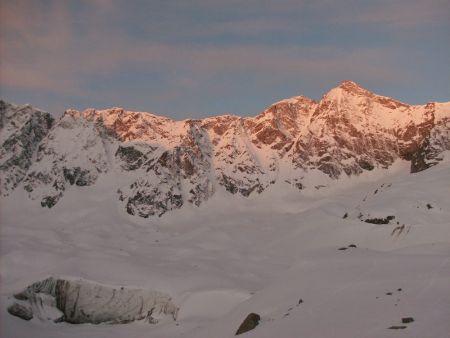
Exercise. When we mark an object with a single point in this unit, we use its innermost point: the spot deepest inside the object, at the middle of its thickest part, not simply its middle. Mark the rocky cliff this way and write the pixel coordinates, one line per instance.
(22, 128)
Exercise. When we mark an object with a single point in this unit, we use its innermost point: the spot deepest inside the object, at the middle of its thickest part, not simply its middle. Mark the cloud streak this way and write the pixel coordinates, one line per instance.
(48, 54)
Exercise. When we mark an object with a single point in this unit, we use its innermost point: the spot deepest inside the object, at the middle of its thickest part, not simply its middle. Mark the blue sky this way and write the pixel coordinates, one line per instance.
(194, 58)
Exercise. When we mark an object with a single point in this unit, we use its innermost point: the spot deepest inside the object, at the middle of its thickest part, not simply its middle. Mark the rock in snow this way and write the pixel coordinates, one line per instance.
(162, 165)
(249, 323)
(407, 320)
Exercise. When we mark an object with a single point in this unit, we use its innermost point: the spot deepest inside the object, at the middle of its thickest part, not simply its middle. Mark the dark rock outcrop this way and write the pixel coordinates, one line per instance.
(397, 327)
(131, 158)
(380, 220)
(249, 323)
(407, 320)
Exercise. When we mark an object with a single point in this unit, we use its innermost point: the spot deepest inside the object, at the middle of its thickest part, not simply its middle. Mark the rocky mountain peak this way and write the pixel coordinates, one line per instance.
(351, 86)
(350, 92)
(345, 91)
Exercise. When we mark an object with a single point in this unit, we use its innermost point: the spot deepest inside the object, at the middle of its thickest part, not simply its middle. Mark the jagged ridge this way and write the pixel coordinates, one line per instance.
(164, 164)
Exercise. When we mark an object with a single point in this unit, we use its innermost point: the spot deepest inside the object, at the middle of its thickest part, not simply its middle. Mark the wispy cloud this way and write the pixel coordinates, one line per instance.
(48, 53)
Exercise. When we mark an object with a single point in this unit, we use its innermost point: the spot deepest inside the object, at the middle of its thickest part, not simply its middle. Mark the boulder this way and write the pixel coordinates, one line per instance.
(249, 323)
(407, 320)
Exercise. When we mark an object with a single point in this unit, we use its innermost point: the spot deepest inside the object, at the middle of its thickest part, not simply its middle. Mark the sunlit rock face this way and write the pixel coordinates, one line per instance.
(79, 301)
(161, 165)
(353, 130)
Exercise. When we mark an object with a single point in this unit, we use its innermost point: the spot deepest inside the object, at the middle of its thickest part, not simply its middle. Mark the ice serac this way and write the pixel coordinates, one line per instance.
(161, 165)
(21, 130)
(79, 301)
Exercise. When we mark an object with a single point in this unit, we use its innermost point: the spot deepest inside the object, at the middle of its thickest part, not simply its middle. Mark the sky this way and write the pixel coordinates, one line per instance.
(199, 58)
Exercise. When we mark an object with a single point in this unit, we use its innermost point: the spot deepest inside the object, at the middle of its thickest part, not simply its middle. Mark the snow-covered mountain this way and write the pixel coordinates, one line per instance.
(313, 219)
(160, 164)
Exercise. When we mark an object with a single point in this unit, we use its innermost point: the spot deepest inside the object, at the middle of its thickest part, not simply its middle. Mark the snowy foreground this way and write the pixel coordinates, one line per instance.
(280, 255)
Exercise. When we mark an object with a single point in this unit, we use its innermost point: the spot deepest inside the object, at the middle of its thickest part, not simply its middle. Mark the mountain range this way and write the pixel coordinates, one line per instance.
(159, 164)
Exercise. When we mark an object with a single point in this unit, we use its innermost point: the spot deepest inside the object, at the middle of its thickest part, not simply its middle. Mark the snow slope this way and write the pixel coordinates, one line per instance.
(234, 255)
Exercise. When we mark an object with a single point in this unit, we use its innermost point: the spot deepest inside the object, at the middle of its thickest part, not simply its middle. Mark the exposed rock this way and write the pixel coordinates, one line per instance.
(379, 220)
(249, 323)
(50, 201)
(146, 200)
(407, 320)
(22, 128)
(398, 230)
(131, 157)
(433, 140)
(78, 176)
